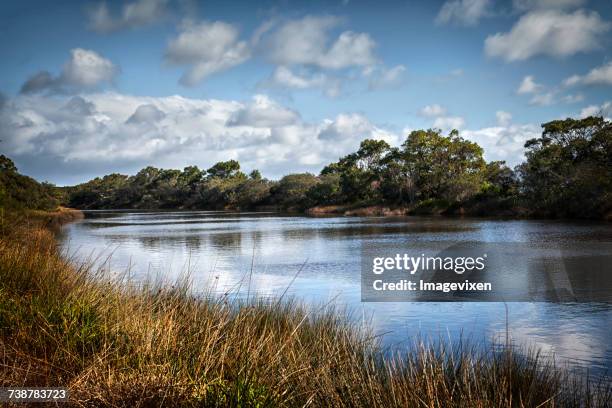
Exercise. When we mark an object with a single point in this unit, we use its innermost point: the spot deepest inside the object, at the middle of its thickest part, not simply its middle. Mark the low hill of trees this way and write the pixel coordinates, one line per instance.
(567, 173)
(19, 192)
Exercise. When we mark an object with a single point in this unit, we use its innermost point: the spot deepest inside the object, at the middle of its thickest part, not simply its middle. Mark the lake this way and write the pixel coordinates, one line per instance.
(318, 260)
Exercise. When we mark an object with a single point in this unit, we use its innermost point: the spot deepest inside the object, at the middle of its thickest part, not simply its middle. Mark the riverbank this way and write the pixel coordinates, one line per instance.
(429, 207)
(64, 323)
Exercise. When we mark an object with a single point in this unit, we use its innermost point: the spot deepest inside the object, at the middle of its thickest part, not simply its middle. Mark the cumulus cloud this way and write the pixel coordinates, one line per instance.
(148, 114)
(504, 141)
(386, 77)
(448, 123)
(99, 133)
(597, 76)
(503, 118)
(441, 120)
(549, 32)
(85, 69)
(262, 113)
(307, 41)
(541, 96)
(79, 106)
(431, 111)
(543, 99)
(132, 15)
(463, 12)
(351, 127)
(528, 85)
(206, 48)
(285, 78)
(605, 110)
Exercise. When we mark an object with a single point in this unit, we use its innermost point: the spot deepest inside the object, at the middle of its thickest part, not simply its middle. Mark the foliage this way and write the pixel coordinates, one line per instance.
(568, 172)
(291, 191)
(442, 167)
(21, 192)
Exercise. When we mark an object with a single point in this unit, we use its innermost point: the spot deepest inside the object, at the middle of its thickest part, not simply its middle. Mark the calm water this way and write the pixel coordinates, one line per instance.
(219, 248)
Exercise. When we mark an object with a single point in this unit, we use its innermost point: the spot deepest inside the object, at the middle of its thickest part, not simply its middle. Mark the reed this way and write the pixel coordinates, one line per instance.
(65, 323)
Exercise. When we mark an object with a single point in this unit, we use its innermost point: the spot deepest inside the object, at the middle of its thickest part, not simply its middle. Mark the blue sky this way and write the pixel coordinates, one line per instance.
(100, 87)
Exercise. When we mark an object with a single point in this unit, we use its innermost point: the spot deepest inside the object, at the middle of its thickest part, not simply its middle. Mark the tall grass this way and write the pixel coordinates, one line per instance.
(62, 323)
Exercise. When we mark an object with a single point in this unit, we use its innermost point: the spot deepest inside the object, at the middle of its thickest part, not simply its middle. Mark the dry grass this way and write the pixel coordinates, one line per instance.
(112, 344)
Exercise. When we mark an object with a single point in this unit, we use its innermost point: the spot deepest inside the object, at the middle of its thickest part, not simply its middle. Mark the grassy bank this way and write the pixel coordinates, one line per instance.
(62, 323)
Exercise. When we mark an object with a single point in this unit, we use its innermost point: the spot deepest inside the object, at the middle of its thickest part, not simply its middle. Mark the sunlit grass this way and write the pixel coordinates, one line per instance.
(63, 323)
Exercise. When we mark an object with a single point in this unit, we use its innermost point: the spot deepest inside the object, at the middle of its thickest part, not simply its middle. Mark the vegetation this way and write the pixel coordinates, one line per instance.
(569, 169)
(568, 173)
(18, 191)
(118, 344)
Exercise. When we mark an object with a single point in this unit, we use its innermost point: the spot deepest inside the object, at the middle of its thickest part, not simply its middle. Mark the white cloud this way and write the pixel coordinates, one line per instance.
(101, 133)
(597, 76)
(447, 123)
(84, 69)
(572, 80)
(441, 120)
(206, 48)
(463, 12)
(133, 14)
(350, 127)
(431, 111)
(528, 85)
(386, 77)
(503, 142)
(548, 32)
(263, 112)
(503, 118)
(306, 41)
(148, 114)
(285, 78)
(605, 110)
(543, 99)
(95, 134)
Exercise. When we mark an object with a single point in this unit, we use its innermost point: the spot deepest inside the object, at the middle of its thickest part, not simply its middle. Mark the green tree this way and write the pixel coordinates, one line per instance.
(499, 179)
(225, 169)
(442, 167)
(326, 191)
(360, 172)
(291, 190)
(255, 175)
(568, 171)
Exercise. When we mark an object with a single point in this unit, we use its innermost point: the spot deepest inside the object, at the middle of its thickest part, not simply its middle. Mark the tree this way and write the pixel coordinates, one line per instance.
(7, 164)
(326, 191)
(22, 192)
(568, 171)
(225, 169)
(360, 172)
(442, 167)
(255, 175)
(291, 190)
(499, 179)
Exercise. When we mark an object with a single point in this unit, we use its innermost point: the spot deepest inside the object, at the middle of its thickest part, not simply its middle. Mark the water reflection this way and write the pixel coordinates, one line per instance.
(218, 248)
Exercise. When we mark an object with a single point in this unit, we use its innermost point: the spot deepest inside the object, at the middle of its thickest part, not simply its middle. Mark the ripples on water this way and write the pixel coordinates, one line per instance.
(218, 249)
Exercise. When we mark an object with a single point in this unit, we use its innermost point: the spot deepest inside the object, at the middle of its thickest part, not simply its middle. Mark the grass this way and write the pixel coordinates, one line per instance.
(62, 323)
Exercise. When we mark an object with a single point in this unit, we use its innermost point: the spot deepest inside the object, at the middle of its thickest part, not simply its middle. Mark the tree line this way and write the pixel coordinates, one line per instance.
(567, 173)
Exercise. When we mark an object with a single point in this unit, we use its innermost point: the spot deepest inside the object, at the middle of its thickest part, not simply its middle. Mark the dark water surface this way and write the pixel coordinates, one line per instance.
(218, 249)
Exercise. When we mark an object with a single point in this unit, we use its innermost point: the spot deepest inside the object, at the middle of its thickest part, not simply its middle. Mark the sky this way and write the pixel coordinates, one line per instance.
(93, 88)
